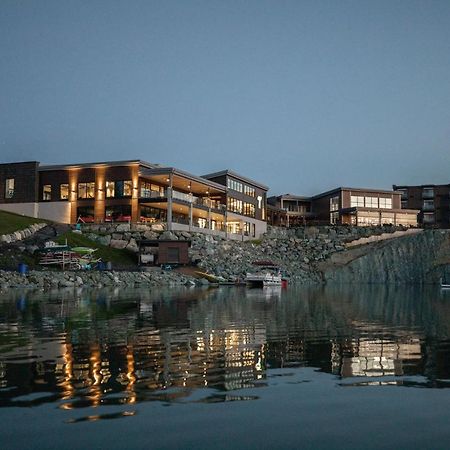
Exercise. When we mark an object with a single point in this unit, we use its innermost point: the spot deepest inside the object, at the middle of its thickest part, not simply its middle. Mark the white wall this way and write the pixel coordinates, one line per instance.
(55, 211)
(24, 209)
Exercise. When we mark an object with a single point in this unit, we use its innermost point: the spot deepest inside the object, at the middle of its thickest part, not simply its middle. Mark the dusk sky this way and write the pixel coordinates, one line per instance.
(303, 96)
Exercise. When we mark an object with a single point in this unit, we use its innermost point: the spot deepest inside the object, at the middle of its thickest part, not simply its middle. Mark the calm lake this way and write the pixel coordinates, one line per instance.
(324, 367)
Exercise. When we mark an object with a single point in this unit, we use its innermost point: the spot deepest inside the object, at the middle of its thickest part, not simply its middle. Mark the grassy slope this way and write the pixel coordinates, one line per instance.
(119, 258)
(10, 222)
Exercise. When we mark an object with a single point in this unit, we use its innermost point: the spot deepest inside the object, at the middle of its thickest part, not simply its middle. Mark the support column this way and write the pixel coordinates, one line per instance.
(169, 203)
(226, 223)
(209, 217)
(191, 214)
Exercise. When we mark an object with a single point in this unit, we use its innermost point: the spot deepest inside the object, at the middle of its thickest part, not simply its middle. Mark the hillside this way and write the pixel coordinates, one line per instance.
(10, 222)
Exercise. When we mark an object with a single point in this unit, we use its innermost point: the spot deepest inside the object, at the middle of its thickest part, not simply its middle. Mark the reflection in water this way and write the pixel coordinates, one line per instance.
(92, 348)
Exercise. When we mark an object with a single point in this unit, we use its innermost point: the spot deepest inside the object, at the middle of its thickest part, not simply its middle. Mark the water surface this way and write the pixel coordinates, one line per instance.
(324, 367)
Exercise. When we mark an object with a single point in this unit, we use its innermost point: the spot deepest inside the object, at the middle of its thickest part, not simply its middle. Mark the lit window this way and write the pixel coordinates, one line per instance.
(356, 200)
(386, 203)
(86, 190)
(334, 217)
(127, 188)
(371, 202)
(110, 189)
(234, 205)
(249, 209)
(249, 191)
(9, 188)
(47, 192)
(63, 191)
(124, 188)
(235, 185)
(334, 204)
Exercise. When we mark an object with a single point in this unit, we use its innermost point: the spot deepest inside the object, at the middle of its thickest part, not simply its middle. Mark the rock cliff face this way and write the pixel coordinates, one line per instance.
(418, 259)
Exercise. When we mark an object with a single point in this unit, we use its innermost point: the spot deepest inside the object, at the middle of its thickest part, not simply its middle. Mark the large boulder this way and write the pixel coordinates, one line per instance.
(122, 227)
(115, 243)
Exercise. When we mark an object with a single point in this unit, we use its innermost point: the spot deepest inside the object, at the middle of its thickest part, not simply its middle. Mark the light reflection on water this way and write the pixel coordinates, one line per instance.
(112, 348)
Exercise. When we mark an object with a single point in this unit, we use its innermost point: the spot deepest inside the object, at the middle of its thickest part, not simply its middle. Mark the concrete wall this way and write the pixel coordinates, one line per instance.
(25, 209)
(55, 211)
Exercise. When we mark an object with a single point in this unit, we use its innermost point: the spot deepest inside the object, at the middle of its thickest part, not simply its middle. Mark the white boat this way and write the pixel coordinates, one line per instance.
(444, 285)
(263, 279)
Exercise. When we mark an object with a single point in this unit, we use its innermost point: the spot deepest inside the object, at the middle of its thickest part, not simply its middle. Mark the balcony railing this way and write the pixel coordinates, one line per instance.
(153, 194)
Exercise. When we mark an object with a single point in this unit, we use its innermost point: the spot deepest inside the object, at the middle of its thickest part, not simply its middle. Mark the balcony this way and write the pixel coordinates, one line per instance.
(145, 193)
(428, 205)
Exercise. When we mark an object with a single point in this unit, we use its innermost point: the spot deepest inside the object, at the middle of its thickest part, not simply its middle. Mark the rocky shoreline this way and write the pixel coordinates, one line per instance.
(300, 253)
(46, 279)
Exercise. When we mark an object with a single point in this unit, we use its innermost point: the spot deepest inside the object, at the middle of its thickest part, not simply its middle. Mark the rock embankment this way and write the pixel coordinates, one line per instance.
(68, 279)
(417, 259)
(298, 252)
(22, 234)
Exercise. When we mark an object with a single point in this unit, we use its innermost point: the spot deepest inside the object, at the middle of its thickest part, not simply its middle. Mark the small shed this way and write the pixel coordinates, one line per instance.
(158, 252)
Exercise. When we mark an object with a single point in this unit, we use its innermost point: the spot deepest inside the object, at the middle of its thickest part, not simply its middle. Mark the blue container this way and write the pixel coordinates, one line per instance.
(22, 268)
(101, 265)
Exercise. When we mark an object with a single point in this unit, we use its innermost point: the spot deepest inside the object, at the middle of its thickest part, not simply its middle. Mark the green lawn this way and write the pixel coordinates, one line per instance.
(120, 258)
(10, 222)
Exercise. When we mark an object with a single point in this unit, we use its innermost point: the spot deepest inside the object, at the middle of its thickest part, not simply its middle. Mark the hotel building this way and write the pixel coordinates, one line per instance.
(351, 206)
(432, 201)
(136, 191)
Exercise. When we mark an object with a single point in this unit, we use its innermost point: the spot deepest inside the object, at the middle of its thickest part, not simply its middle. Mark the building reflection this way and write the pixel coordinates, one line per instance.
(111, 350)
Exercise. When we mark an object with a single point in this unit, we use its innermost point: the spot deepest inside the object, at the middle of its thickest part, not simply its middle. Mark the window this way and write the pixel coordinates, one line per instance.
(249, 209)
(110, 189)
(248, 190)
(234, 205)
(386, 203)
(86, 190)
(149, 190)
(334, 217)
(371, 202)
(428, 205)
(127, 188)
(63, 191)
(118, 213)
(9, 188)
(368, 218)
(404, 193)
(124, 188)
(85, 214)
(387, 218)
(334, 204)
(356, 201)
(428, 193)
(235, 185)
(47, 192)
(247, 228)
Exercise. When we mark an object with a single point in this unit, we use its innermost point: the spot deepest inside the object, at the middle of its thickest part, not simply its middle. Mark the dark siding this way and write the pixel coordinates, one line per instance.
(25, 182)
(164, 252)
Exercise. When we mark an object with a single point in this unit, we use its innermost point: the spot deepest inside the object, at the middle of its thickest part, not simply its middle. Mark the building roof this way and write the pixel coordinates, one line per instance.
(380, 191)
(236, 175)
(290, 197)
(182, 173)
(98, 164)
(421, 186)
